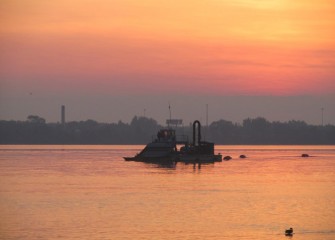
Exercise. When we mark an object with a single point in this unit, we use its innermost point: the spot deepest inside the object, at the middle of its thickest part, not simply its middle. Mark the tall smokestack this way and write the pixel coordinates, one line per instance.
(63, 114)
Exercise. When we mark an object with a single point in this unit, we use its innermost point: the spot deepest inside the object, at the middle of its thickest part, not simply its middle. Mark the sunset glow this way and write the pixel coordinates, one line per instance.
(231, 47)
(145, 54)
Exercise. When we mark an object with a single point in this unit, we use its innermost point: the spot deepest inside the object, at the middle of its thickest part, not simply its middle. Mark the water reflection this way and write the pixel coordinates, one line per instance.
(95, 194)
(177, 166)
(165, 165)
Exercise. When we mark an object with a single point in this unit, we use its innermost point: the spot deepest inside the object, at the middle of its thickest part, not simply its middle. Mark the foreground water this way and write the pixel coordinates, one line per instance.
(90, 192)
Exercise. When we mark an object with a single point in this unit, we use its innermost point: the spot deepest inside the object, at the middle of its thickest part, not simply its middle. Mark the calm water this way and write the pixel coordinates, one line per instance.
(90, 192)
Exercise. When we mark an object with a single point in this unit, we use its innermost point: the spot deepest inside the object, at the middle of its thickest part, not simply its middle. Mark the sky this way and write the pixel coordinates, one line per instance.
(109, 60)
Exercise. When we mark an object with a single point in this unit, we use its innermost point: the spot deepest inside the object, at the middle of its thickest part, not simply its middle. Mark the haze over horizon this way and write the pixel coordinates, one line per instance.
(110, 60)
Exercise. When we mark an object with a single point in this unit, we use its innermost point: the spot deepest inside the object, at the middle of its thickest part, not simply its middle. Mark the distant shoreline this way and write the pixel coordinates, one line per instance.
(140, 144)
(141, 130)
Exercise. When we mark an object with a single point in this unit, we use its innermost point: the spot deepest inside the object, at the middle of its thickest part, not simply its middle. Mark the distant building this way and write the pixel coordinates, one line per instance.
(176, 122)
(63, 115)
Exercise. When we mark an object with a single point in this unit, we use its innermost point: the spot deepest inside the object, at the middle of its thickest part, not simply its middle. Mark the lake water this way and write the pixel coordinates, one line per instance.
(90, 192)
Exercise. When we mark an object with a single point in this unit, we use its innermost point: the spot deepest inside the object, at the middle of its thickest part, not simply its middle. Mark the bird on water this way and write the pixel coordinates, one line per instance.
(289, 232)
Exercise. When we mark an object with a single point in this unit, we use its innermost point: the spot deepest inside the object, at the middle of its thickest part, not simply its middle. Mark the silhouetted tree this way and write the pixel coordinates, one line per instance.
(35, 119)
(141, 130)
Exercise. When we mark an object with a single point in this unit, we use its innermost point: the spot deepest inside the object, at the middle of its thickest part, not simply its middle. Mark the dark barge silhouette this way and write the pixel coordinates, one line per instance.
(164, 149)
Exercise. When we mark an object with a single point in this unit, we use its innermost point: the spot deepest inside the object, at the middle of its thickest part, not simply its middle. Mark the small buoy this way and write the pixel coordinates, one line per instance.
(243, 156)
(227, 158)
(304, 155)
(289, 232)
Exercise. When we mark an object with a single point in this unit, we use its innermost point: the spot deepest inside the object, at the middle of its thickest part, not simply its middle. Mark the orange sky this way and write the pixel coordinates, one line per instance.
(252, 47)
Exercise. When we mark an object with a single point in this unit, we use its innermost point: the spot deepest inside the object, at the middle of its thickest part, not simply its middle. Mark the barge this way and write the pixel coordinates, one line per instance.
(163, 149)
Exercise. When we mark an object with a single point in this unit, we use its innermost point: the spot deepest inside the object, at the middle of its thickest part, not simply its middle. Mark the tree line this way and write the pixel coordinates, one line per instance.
(142, 130)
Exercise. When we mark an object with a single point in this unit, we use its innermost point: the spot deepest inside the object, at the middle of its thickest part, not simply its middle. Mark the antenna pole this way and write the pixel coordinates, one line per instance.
(170, 114)
(207, 115)
(206, 129)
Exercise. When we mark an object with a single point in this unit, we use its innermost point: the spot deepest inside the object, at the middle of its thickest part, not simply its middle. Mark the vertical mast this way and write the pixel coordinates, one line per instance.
(170, 115)
(207, 115)
(206, 129)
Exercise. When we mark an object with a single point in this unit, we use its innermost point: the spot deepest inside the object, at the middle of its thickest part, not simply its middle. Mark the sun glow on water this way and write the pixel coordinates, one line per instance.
(91, 192)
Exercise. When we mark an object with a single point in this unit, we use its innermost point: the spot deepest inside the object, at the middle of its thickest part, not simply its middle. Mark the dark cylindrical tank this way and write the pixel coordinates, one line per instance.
(196, 138)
